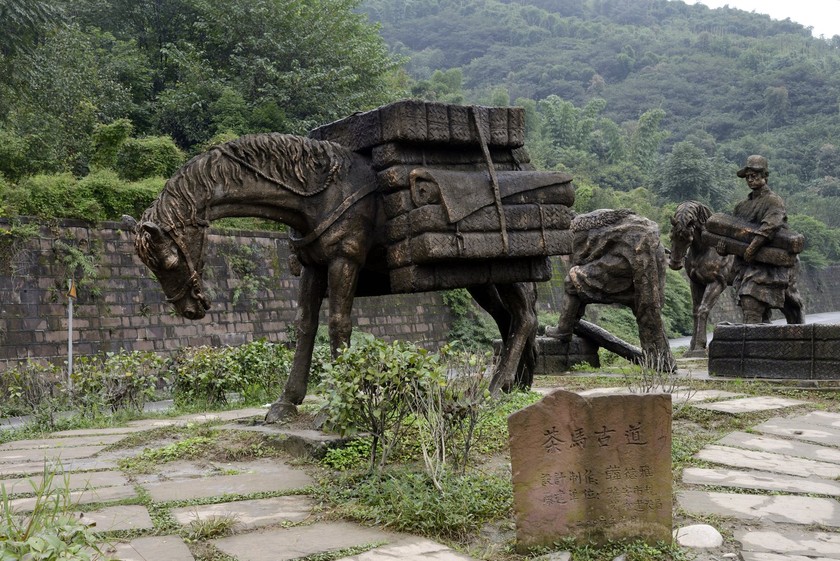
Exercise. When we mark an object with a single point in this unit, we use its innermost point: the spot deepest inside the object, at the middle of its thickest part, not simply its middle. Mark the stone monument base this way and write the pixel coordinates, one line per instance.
(553, 358)
(799, 352)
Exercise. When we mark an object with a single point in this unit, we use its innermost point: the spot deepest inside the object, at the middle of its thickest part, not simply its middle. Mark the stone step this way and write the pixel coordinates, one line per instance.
(760, 545)
(751, 404)
(767, 461)
(800, 429)
(781, 446)
(782, 509)
(761, 480)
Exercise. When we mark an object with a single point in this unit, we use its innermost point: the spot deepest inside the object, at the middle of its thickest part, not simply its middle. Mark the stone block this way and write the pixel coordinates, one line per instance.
(827, 369)
(595, 469)
(777, 369)
(826, 331)
(780, 349)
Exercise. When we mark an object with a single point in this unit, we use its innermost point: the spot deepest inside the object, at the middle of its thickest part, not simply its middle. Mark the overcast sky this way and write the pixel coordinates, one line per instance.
(822, 15)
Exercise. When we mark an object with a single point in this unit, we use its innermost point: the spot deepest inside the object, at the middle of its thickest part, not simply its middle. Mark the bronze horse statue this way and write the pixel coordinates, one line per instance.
(328, 196)
(618, 258)
(709, 273)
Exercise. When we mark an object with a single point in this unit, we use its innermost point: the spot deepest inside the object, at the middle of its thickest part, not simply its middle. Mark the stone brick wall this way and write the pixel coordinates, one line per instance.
(120, 306)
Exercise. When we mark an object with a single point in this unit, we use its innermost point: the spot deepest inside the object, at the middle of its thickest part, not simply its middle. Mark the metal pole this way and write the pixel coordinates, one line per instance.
(70, 295)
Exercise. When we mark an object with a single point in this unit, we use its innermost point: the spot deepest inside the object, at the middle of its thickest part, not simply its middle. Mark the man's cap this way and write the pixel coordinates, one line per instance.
(754, 163)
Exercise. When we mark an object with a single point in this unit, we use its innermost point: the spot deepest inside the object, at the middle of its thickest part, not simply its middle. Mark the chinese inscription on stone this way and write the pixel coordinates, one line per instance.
(595, 469)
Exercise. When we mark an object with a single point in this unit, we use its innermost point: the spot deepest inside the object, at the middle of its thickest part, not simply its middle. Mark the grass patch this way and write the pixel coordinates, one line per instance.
(405, 500)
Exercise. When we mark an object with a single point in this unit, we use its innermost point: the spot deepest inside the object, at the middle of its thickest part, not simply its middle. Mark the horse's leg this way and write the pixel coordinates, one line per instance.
(488, 298)
(524, 313)
(697, 295)
(710, 298)
(513, 307)
(793, 306)
(342, 276)
(312, 290)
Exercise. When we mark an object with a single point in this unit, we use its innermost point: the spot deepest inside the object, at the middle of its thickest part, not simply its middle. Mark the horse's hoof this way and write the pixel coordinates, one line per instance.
(281, 411)
(554, 332)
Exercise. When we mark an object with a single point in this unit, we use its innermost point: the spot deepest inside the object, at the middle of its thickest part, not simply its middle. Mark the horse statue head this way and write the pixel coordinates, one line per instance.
(170, 239)
(687, 226)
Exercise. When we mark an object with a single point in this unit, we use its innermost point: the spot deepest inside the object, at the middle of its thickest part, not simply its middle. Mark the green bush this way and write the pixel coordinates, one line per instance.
(152, 156)
(55, 196)
(36, 389)
(107, 141)
(117, 197)
(368, 388)
(121, 381)
(206, 375)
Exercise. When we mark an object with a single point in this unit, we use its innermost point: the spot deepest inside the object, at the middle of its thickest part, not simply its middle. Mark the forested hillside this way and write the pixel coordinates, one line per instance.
(646, 102)
(102, 99)
(652, 94)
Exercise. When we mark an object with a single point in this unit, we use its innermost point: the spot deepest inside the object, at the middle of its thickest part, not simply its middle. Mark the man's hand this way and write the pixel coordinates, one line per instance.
(753, 248)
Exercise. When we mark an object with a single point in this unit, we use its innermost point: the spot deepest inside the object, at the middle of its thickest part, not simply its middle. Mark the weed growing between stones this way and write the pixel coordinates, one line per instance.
(50, 532)
(208, 528)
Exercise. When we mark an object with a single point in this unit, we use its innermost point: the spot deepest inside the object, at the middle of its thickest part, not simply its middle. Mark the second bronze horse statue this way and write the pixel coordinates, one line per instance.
(327, 194)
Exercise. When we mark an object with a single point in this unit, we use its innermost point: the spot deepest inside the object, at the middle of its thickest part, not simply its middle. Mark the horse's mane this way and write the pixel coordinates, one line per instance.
(689, 211)
(299, 164)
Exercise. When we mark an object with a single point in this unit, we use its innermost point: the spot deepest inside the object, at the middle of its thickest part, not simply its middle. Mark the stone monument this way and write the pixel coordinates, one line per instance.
(595, 469)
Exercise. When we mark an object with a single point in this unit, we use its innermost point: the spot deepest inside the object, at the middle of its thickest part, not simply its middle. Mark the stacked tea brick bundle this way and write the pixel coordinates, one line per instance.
(735, 235)
(463, 203)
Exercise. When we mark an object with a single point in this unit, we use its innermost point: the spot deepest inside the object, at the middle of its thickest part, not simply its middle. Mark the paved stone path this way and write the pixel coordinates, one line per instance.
(275, 528)
(779, 482)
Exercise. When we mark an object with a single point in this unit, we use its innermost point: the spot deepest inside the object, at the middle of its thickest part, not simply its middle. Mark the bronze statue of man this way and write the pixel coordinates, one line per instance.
(760, 287)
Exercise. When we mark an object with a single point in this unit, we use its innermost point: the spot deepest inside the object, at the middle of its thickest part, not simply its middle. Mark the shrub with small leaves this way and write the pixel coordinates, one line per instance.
(116, 381)
(368, 388)
(254, 370)
(36, 389)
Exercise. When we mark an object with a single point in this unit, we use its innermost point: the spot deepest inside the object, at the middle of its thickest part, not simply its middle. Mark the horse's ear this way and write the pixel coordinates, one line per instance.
(165, 249)
(128, 222)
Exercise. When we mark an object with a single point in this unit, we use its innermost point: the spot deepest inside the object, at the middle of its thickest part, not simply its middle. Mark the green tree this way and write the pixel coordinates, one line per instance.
(687, 174)
(646, 139)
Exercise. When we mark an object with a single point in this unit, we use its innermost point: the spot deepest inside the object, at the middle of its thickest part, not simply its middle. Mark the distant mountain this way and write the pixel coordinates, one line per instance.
(725, 71)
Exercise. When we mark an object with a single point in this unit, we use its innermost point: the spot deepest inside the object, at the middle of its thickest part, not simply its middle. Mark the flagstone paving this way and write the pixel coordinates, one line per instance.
(787, 456)
(796, 542)
(86, 480)
(781, 446)
(97, 440)
(799, 458)
(768, 461)
(113, 518)
(775, 508)
(800, 429)
(87, 496)
(751, 404)
(152, 548)
(761, 480)
(41, 454)
(250, 514)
